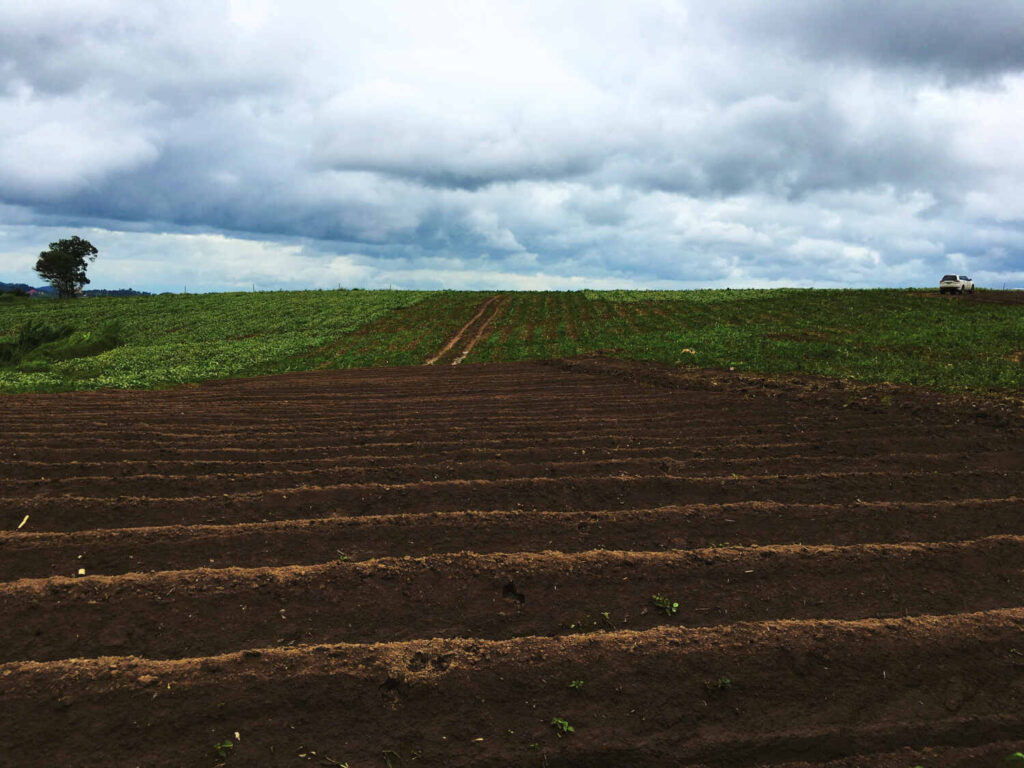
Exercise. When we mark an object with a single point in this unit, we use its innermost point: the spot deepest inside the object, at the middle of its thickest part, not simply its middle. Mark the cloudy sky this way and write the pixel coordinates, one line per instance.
(492, 144)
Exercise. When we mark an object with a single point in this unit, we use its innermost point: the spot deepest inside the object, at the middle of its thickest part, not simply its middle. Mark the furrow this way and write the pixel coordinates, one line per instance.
(565, 425)
(305, 542)
(738, 450)
(738, 696)
(67, 513)
(160, 485)
(177, 614)
(404, 442)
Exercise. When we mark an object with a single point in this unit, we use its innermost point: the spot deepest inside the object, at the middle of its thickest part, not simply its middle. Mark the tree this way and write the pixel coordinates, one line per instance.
(63, 266)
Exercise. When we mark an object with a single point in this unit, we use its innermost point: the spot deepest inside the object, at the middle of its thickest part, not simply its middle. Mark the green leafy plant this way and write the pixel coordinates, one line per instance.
(576, 685)
(1017, 758)
(663, 603)
(562, 726)
(223, 748)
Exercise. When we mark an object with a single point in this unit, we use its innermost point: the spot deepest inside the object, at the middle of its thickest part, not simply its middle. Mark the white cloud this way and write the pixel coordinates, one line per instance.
(647, 142)
(56, 145)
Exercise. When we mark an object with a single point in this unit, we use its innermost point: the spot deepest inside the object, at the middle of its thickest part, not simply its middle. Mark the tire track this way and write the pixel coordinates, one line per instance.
(462, 331)
(498, 307)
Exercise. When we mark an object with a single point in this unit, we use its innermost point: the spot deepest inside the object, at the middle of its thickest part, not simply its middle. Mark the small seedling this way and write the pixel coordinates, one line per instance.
(721, 684)
(342, 557)
(1017, 758)
(576, 684)
(223, 749)
(665, 604)
(562, 726)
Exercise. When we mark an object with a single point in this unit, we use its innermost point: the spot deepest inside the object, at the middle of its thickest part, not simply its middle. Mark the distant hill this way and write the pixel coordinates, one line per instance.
(48, 290)
(9, 287)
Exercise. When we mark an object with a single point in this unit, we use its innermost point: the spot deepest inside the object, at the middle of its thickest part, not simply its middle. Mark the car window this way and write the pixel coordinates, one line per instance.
(964, 277)
(948, 277)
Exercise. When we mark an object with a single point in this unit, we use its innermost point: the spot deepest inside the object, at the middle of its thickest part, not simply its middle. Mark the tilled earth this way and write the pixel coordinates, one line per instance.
(437, 565)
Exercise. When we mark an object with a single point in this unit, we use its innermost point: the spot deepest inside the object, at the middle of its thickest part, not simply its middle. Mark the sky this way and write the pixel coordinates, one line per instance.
(219, 145)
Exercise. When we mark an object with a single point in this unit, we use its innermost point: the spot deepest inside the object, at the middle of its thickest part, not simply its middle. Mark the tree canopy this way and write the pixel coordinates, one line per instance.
(64, 265)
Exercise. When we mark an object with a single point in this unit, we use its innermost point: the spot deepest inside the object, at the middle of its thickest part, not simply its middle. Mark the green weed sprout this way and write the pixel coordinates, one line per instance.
(562, 726)
(223, 749)
(665, 604)
(721, 684)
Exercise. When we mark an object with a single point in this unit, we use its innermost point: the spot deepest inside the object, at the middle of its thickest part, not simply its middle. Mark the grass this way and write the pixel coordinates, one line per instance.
(900, 336)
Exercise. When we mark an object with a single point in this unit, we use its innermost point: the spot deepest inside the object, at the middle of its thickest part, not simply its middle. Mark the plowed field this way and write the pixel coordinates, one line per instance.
(457, 566)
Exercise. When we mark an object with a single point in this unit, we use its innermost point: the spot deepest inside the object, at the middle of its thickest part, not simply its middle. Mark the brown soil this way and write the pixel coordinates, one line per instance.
(409, 567)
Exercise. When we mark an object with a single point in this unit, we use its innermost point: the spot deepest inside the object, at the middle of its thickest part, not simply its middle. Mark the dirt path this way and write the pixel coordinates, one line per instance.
(437, 566)
(473, 330)
(496, 310)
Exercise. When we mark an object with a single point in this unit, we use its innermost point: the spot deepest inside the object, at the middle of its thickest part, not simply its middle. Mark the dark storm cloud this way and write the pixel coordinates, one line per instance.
(792, 148)
(960, 38)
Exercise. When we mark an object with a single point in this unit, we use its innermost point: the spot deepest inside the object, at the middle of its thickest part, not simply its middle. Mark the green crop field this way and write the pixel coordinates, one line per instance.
(903, 336)
(173, 339)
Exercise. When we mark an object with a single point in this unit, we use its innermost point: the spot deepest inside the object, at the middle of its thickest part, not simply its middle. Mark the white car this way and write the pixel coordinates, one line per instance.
(956, 284)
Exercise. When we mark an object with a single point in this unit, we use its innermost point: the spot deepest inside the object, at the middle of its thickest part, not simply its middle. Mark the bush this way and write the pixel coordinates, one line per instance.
(33, 334)
(79, 344)
(40, 341)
